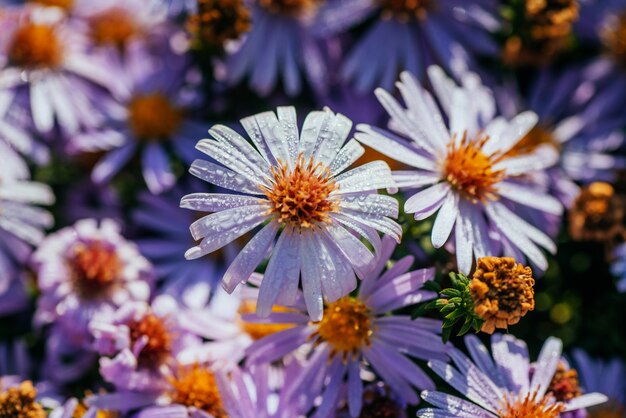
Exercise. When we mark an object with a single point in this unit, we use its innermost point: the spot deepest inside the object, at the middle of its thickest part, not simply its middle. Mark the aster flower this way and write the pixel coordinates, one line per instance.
(504, 386)
(84, 271)
(607, 377)
(280, 43)
(356, 330)
(141, 344)
(44, 61)
(409, 35)
(618, 268)
(149, 119)
(293, 181)
(463, 169)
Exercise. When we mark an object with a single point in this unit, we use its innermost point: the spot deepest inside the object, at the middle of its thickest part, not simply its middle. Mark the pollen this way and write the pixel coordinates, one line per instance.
(502, 292)
(531, 407)
(470, 171)
(536, 137)
(564, 385)
(405, 10)
(614, 39)
(159, 341)
(294, 8)
(218, 21)
(35, 46)
(300, 196)
(95, 268)
(19, 402)
(195, 386)
(258, 330)
(113, 27)
(153, 117)
(540, 32)
(597, 214)
(62, 4)
(347, 326)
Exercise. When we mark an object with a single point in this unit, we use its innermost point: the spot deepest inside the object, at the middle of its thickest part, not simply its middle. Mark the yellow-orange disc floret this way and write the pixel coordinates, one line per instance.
(195, 386)
(564, 385)
(218, 21)
(35, 46)
(531, 407)
(347, 326)
(153, 117)
(502, 292)
(597, 214)
(19, 402)
(158, 347)
(114, 27)
(300, 196)
(258, 330)
(94, 268)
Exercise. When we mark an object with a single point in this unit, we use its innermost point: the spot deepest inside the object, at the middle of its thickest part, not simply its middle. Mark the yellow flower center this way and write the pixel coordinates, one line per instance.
(531, 407)
(95, 269)
(540, 31)
(114, 27)
(159, 346)
(20, 402)
(218, 21)
(597, 213)
(153, 117)
(300, 197)
(62, 4)
(470, 171)
(564, 385)
(258, 330)
(406, 10)
(195, 386)
(35, 46)
(81, 410)
(532, 140)
(294, 8)
(347, 326)
(614, 38)
(502, 292)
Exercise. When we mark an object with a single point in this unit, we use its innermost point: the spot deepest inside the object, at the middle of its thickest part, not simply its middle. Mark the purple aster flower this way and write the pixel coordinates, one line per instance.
(504, 386)
(149, 119)
(280, 43)
(618, 267)
(291, 183)
(584, 125)
(84, 271)
(141, 344)
(463, 169)
(356, 331)
(410, 35)
(44, 61)
(607, 377)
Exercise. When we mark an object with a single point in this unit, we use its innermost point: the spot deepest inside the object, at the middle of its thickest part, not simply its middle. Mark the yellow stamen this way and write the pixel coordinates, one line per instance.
(530, 407)
(258, 330)
(502, 292)
(19, 402)
(597, 213)
(95, 268)
(300, 197)
(195, 386)
(153, 117)
(159, 346)
(35, 46)
(218, 21)
(114, 26)
(564, 385)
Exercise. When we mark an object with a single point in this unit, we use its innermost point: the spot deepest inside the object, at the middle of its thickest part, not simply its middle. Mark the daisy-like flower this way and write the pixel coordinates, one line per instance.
(409, 35)
(505, 386)
(141, 343)
(463, 169)
(149, 119)
(607, 377)
(44, 61)
(280, 44)
(84, 271)
(357, 330)
(292, 183)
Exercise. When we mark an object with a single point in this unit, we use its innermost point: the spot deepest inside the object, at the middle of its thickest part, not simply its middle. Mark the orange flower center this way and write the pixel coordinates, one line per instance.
(347, 325)
(300, 196)
(153, 117)
(406, 10)
(502, 292)
(114, 27)
(294, 8)
(258, 330)
(195, 386)
(159, 345)
(532, 140)
(35, 46)
(564, 385)
(62, 4)
(470, 171)
(597, 213)
(218, 21)
(95, 269)
(531, 407)
(19, 402)
(614, 38)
